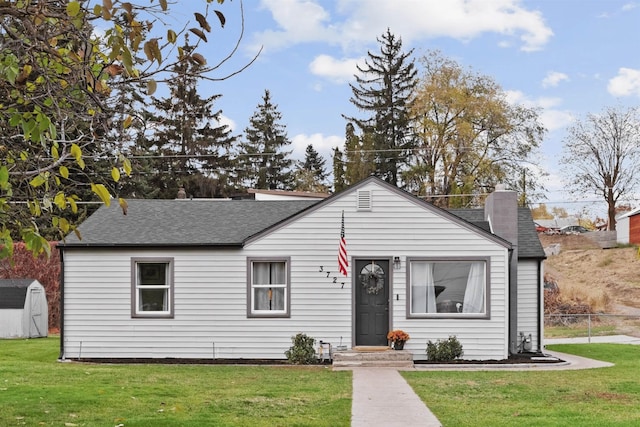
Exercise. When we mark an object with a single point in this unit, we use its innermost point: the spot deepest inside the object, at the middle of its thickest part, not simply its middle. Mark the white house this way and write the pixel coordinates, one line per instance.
(258, 194)
(192, 279)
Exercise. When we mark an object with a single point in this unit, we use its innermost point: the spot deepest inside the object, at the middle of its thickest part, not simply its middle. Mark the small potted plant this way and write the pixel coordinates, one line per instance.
(398, 337)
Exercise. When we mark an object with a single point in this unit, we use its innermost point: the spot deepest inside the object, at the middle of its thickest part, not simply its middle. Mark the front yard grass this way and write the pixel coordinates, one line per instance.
(36, 390)
(594, 397)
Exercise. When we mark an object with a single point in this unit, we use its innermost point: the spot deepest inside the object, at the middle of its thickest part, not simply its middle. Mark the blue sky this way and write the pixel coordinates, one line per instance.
(568, 57)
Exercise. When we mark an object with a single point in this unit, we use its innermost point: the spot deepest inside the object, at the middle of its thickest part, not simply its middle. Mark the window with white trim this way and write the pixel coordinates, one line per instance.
(268, 287)
(448, 288)
(152, 287)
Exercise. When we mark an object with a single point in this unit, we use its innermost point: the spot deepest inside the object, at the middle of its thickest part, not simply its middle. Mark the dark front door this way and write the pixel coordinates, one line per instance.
(372, 301)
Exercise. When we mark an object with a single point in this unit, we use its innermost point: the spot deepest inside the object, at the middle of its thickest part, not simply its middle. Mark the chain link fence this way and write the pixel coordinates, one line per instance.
(590, 325)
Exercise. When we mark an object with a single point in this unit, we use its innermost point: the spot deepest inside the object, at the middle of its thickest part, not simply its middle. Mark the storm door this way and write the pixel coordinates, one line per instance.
(371, 287)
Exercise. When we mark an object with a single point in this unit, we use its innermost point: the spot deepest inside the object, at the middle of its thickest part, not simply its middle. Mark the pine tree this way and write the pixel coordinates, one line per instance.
(311, 174)
(383, 91)
(190, 146)
(360, 155)
(339, 183)
(263, 161)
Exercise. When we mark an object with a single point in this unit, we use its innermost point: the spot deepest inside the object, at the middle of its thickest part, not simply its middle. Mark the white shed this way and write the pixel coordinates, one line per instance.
(23, 309)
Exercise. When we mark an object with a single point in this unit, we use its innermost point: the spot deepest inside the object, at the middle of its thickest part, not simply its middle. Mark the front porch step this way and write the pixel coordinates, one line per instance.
(374, 357)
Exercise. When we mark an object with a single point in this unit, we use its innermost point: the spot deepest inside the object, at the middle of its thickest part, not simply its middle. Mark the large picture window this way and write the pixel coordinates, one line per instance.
(446, 288)
(268, 288)
(152, 287)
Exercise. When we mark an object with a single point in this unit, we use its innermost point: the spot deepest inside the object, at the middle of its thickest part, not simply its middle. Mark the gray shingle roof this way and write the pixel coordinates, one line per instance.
(210, 222)
(182, 222)
(529, 245)
(13, 292)
(474, 216)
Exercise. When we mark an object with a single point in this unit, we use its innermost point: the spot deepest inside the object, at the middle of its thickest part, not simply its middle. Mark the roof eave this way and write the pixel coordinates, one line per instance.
(151, 245)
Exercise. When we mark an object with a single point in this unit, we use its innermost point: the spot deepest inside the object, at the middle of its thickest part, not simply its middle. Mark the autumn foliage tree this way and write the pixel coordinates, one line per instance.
(541, 212)
(56, 81)
(468, 138)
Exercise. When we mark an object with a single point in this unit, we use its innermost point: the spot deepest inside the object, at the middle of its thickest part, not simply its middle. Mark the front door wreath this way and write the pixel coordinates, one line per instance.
(372, 278)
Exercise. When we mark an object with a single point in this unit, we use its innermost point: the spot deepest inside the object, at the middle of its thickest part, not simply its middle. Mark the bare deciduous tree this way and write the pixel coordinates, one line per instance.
(601, 155)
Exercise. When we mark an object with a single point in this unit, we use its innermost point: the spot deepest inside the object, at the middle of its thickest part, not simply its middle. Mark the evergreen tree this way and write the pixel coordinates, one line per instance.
(383, 90)
(339, 183)
(189, 146)
(360, 155)
(311, 174)
(263, 161)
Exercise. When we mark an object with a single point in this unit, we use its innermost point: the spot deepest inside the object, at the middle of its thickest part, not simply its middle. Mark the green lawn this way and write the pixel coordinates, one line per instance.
(595, 397)
(36, 390)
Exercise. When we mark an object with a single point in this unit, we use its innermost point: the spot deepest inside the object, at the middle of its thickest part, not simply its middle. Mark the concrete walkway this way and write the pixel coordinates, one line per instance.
(381, 397)
(375, 390)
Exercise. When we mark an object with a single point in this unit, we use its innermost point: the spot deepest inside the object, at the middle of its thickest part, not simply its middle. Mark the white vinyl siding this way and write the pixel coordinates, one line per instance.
(210, 287)
(529, 300)
(623, 226)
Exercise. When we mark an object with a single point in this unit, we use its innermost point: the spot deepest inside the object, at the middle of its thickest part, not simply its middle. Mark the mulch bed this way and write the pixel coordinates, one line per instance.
(524, 359)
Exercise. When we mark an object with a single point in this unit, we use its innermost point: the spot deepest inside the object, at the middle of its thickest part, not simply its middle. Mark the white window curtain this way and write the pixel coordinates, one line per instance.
(269, 281)
(423, 295)
(474, 294)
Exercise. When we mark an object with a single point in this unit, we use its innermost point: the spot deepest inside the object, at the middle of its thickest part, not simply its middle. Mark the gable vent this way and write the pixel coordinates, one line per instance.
(364, 200)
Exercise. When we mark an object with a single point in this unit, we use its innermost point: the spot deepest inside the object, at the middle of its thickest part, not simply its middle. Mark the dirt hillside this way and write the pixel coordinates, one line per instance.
(581, 262)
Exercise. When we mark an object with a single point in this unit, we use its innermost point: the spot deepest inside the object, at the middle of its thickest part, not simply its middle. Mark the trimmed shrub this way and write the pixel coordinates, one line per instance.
(444, 350)
(302, 352)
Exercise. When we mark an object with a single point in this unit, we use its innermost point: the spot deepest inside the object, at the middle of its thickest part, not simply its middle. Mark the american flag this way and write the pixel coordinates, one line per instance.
(343, 261)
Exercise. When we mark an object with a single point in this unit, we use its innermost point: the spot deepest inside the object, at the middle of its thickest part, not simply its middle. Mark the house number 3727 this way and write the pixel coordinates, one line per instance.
(334, 279)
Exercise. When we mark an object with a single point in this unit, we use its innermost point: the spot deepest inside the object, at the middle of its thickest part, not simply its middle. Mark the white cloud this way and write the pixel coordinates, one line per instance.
(298, 21)
(224, 120)
(551, 117)
(358, 22)
(554, 78)
(323, 144)
(626, 83)
(338, 71)
(629, 6)
(556, 119)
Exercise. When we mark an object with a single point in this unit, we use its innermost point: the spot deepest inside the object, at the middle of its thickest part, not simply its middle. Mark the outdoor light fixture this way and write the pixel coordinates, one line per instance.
(396, 262)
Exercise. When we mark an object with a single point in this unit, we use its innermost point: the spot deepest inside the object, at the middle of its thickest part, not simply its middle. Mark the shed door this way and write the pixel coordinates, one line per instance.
(371, 283)
(36, 313)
